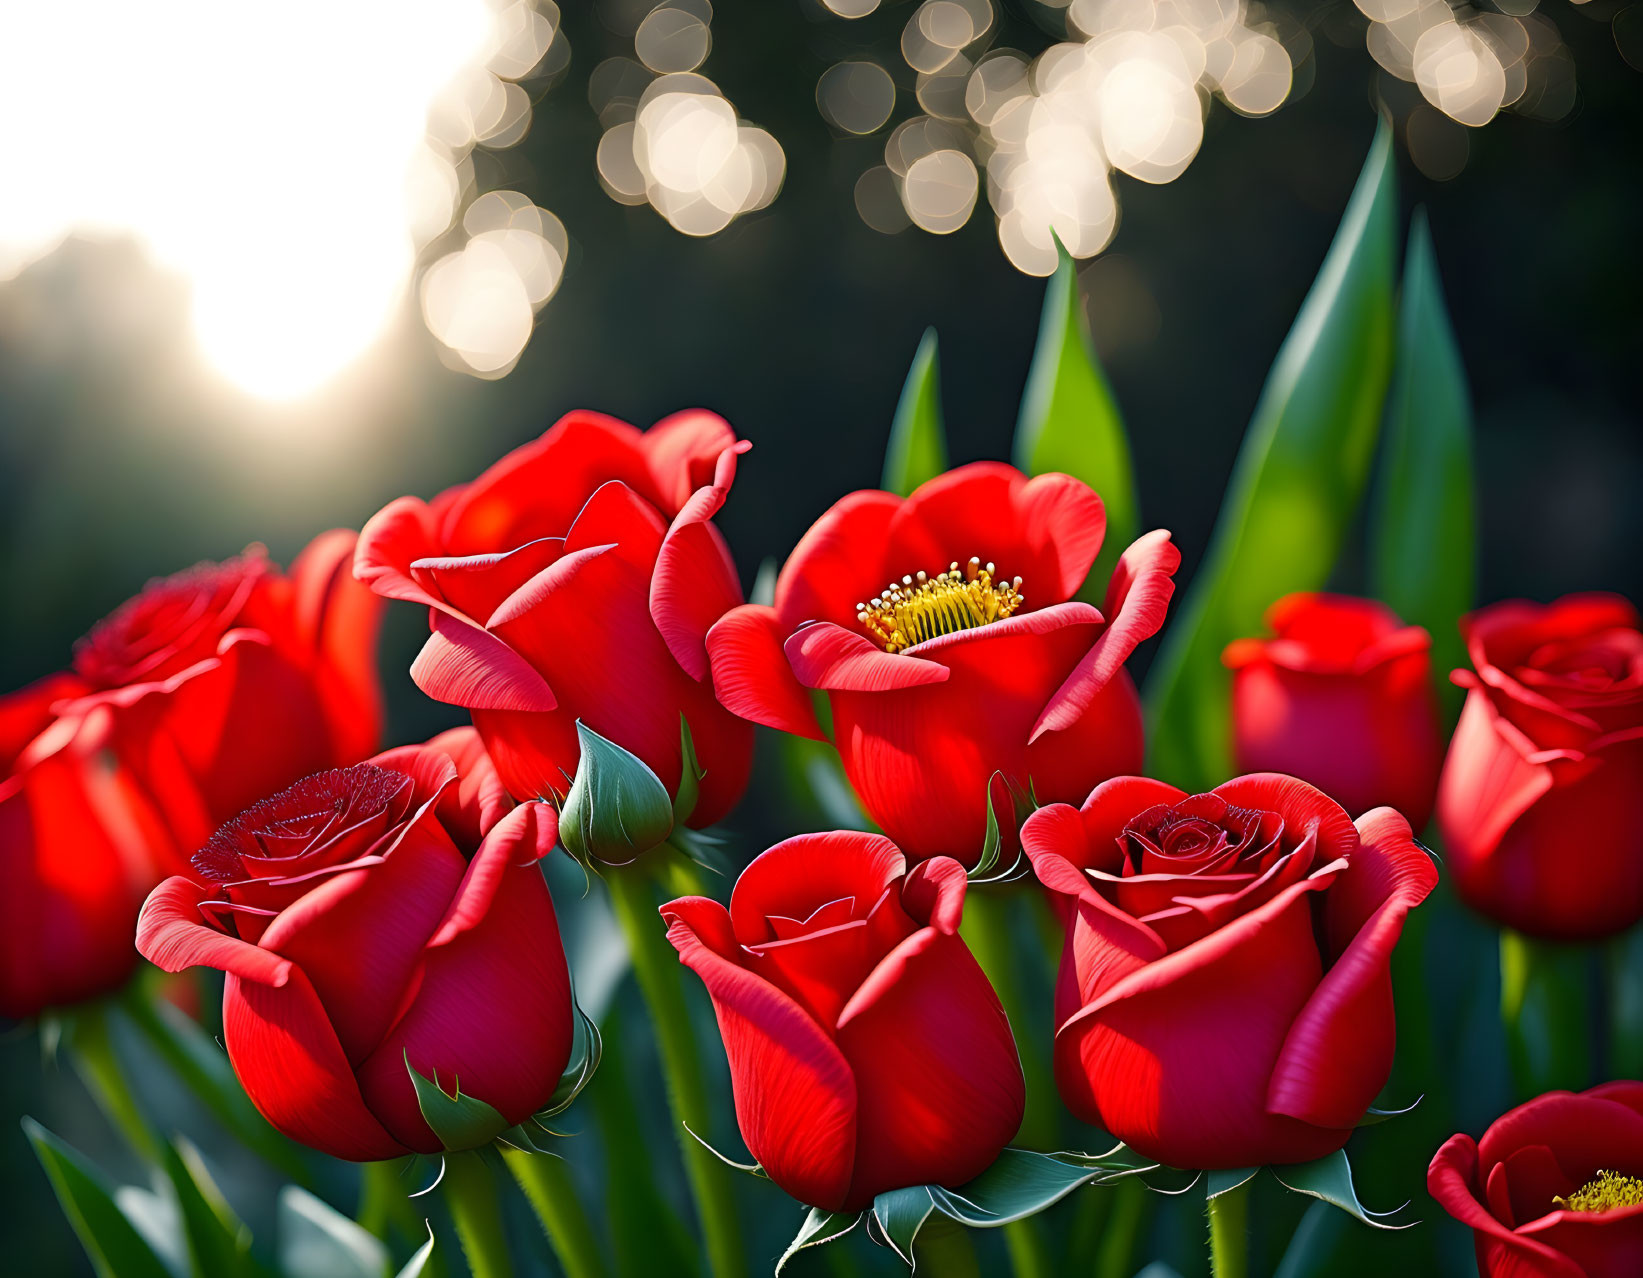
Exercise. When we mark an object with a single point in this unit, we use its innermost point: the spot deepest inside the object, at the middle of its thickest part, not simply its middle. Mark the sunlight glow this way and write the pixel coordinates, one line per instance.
(287, 160)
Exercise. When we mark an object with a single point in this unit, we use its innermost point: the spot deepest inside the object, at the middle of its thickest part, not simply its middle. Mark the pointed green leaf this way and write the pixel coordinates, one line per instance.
(1329, 1179)
(1020, 1183)
(617, 808)
(690, 775)
(418, 1262)
(819, 1227)
(752, 1169)
(1298, 480)
(315, 1238)
(901, 1213)
(112, 1243)
(587, 1049)
(1225, 1181)
(1069, 421)
(460, 1122)
(218, 1241)
(1423, 536)
(917, 449)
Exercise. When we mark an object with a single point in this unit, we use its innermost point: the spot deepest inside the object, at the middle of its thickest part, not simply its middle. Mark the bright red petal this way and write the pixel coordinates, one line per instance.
(839, 563)
(751, 674)
(795, 1096)
(938, 1082)
(289, 1061)
(340, 619)
(682, 450)
(695, 581)
(463, 665)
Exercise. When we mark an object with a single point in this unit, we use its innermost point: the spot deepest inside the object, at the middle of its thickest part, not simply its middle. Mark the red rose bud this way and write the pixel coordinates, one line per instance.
(1554, 1189)
(943, 629)
(231, 680)
(867, 1050)
(376, 920)
(1340, 697)
(575, 580)
(1225, 997)
(76, 854)
(1541, 801)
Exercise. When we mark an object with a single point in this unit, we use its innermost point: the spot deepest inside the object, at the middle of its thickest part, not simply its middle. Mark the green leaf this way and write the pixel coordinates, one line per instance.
(917, 449)
(819, 1227)
(1225, 1181)
(315, 1238)
(112, 1243)
(752, 1169)
(1330, 1179)
(218, 1241)
(901, 1213)
(1298, 480)
(418, 1262)
(1020, 1183)
(1069, 421)
(690, 775)
(617, 808)
(460, 1122)
(1422, 535)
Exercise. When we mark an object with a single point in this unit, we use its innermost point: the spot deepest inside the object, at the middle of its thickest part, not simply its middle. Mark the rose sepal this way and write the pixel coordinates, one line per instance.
(1020, 1183)
(1023, 803)
(466, 1122)
(618, 809)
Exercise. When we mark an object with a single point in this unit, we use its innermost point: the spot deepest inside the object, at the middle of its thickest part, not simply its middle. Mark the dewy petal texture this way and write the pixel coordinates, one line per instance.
(578, 579)
(867, 1050)
(1000, 670)
(370, 917)
(1225, 992)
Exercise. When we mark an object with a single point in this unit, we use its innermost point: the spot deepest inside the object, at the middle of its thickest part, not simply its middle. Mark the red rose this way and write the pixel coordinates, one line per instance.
(953, 674)
(76, 855)
(228, 681)
(1554, 1189)
(576, 579)
(1541, 801)
(867, 1050)
(1342, 698)
(1225, 996)
(374, 917)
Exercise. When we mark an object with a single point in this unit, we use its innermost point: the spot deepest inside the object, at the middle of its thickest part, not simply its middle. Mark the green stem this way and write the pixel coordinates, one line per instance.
(470, 1193)
(987, 932)
(1625, 988)
(657, 968)
(1129, 1213)
(92, 1048)
(546, 1181)
(943, 1250)
(1544, 997)
(384, 1205)
(205, 1071)
(1229, 1233)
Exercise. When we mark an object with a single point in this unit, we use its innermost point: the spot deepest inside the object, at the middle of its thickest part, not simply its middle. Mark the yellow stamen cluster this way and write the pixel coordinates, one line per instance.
(921, 607)
(1604, 1192)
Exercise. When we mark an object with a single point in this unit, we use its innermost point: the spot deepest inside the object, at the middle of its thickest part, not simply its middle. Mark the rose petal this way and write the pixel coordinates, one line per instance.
(751, 674)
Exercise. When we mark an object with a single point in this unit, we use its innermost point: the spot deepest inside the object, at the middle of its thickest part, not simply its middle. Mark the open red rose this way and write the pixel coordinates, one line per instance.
(229, 680)
(370, 918)
(868, 1051)
(76, 855)
(1541, 801)
(576, 580)
(939, 677)
(1554, 1189)
(1225, 994)
(1340, 697)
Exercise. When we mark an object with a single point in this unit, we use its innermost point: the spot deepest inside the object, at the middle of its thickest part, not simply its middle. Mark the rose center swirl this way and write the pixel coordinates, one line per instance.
(922, 607)
(1605, 1191)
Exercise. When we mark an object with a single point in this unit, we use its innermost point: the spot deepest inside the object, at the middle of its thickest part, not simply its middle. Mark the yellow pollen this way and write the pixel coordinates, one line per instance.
(921, 607)
(1604, 1192)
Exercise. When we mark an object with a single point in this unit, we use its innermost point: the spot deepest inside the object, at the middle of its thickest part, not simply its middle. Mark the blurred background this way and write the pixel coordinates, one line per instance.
(263, 270)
